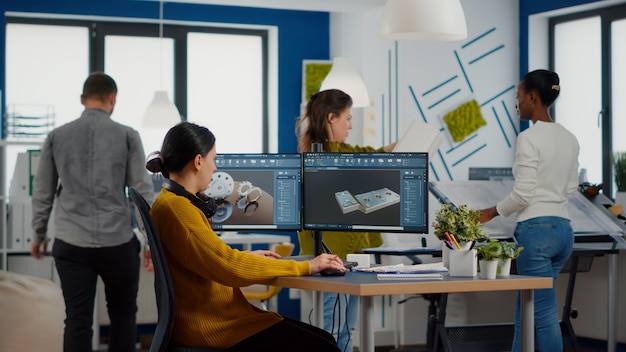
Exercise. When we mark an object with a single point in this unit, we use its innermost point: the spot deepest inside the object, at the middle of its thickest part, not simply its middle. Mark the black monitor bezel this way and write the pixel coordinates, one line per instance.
(424, 229)
(248, 228)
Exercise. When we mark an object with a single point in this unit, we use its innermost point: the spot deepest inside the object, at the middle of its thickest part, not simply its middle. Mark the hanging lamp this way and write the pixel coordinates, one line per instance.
(343, 76)
(423, 20)
(161, 112)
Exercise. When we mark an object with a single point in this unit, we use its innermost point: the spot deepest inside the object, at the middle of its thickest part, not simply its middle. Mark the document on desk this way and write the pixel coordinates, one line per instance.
(436, 267)
(430, 276)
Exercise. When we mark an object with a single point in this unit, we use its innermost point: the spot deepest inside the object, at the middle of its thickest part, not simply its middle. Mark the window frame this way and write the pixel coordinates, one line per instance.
(178, 32)
(607, 15)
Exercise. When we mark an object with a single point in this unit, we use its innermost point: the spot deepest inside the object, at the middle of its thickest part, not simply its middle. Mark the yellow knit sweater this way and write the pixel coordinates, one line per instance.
(211, 311)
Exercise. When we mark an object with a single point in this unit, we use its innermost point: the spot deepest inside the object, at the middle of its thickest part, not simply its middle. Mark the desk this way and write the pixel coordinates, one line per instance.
(366, 285)
(247, 240)
(585, 245)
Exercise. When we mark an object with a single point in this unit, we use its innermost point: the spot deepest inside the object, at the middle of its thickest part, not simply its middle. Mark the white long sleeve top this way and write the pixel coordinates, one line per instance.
(545, 171)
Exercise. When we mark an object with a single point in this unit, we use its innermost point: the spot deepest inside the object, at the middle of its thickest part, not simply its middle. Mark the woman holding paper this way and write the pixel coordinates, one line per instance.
(546, 177)
(327, 120)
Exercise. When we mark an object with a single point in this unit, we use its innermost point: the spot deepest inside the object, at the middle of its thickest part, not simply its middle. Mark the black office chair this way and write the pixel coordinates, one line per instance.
(166, 303)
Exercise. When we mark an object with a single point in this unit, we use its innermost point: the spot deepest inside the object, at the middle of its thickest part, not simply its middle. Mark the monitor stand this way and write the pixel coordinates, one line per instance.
(318, 244)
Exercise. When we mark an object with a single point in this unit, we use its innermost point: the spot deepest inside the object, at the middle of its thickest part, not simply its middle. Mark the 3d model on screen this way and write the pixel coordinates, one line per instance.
(366, 202)
(222, 187)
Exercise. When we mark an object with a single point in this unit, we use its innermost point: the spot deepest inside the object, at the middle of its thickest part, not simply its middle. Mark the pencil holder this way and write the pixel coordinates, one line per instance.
(463, 263)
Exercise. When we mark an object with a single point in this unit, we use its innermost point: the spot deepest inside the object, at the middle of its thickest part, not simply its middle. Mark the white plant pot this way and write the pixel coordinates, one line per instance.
(504, 267)
(445, 256)
(488, 269)
(445, 252)
(463, 263)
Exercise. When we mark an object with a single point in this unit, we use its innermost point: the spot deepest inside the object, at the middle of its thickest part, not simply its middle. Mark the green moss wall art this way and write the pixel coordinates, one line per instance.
(313, 72)
(464, 120)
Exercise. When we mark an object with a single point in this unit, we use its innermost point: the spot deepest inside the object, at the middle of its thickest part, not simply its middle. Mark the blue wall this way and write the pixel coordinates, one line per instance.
(301, 35)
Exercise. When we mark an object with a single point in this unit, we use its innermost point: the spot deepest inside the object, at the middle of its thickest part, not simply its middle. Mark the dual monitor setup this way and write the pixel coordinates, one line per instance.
(382, 192)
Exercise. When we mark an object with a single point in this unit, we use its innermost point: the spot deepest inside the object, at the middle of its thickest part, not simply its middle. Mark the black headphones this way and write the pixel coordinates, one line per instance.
(205, 203)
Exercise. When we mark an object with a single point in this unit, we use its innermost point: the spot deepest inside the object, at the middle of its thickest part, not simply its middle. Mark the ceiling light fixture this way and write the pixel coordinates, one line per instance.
(344, 76)
(423, 20)
(161, 112)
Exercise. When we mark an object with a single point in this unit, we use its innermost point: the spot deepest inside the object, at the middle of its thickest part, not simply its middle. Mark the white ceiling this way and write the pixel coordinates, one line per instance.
(303, 5)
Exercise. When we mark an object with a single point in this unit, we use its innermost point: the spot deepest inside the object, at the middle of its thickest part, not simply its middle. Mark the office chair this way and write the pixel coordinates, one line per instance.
(266, 293)
(163, 287)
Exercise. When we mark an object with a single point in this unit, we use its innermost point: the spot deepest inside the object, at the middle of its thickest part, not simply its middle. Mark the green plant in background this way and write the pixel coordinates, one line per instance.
(619, 165)
(464, 120)
(462, 222)
(490, 249)
(315, 74)
(510, 250)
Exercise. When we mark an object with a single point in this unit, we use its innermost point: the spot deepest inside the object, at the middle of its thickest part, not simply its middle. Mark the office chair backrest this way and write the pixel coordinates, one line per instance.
(163, 286)
(162, 281)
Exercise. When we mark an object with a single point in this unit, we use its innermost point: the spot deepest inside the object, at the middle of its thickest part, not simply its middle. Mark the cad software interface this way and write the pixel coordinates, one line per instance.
(365, 192)
(257, 192)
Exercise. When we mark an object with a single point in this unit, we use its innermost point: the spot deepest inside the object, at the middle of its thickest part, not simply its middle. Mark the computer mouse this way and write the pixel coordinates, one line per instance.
(333, 272)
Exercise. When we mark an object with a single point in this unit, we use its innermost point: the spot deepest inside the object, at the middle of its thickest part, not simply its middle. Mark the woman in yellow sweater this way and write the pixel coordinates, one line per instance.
(207, 274)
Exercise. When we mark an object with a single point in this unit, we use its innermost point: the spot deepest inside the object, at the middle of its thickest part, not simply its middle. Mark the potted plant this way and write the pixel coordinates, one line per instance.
(488, 253)
(510, 251)
(461, 222)
(619, 167)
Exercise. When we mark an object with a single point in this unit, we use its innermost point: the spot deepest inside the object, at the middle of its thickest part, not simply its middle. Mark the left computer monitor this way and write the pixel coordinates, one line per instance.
(257, 192)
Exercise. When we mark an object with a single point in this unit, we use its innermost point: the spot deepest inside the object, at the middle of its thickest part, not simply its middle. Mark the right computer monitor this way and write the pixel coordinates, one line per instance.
(365, 192)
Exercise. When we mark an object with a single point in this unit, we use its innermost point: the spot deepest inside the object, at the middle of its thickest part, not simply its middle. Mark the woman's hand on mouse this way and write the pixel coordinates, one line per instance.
(326, 261)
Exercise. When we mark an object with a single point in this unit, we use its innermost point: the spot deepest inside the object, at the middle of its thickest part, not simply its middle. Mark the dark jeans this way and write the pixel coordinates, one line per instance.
(287, 336)
(79, 268)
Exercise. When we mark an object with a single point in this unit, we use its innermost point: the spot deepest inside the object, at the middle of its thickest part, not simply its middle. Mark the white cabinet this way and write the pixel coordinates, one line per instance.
(15, 209)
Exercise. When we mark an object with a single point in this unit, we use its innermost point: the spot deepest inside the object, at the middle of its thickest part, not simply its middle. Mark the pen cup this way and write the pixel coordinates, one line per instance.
(463, 263)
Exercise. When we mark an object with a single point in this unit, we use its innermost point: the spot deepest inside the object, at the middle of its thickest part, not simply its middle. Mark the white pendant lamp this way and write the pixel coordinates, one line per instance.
(423, 20)
(343, 76)
(161, 112)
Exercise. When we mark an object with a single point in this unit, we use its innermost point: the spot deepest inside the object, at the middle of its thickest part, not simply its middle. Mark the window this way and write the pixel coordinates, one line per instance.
(587, 51)
(217, 77)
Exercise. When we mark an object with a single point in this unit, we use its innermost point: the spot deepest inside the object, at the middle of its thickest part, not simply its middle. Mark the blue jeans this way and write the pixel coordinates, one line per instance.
(341, 313)
(547, 243)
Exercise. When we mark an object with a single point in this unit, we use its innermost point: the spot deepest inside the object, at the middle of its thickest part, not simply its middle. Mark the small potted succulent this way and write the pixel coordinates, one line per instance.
(510, 251)
(488, 253)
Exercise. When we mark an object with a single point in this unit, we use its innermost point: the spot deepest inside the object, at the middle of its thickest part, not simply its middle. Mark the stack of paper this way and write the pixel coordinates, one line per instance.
(436, 267)
(420, 137)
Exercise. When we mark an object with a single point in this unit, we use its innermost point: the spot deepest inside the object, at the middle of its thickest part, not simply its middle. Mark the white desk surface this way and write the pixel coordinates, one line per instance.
(366, 285)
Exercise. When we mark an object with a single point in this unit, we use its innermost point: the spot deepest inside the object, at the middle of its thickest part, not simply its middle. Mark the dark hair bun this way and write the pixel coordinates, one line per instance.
(155, 165)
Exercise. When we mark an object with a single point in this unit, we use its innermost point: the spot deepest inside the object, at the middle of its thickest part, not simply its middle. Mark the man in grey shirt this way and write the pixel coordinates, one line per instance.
(84, 170)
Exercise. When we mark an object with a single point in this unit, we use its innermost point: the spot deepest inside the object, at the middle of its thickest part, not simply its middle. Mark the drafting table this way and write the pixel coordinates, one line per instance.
(590, 221)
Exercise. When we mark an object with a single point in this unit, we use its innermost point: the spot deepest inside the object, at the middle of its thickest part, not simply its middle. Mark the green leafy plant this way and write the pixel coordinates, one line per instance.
(619, 165)
(510, 250)
(462, 222)
(490, 249)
